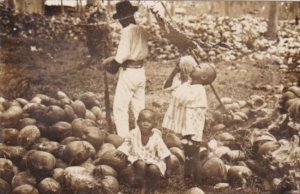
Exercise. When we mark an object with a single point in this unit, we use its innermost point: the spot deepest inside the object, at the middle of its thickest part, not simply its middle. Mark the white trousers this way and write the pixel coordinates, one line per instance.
(130, 90)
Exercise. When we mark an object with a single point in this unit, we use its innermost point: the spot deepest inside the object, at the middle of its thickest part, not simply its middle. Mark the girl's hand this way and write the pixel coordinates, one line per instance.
(177, 69)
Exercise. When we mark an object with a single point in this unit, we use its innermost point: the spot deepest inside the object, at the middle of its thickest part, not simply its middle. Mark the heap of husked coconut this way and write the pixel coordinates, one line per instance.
(42, 137)
(271, 140)
(53, 145)
(60, 145)
(244, 35)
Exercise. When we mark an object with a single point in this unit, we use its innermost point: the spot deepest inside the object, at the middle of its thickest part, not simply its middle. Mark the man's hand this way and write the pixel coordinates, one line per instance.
(108, 60)
(120, 155)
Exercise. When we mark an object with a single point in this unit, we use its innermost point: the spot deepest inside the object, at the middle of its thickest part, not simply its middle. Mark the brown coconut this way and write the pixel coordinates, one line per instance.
(77, 152)
(26, 121)
(10, 136)
(79, 125)
(23, 178)
(79, 108)
(104, 148)
(194, 190)
(69, 113)
(28, 136)
(59, 131)
(209, 170)
(13, 153)
(100, 115)
(268, 147)
(6, 170)
(4, 187)
(49, 186)
(22, 101)
(13, 113)
(58, 174)
(110, 158)
(79, 180)
(68, 140)
(114, 139)
(110, 184)
(171, 140)
(90, 115)
(94, 136)
(54, 114)
(237, 175)
(49, 146)
(179, 153)
(25, 189)
(89, 99)
(104, 170)
(40, 162)
(60, 163)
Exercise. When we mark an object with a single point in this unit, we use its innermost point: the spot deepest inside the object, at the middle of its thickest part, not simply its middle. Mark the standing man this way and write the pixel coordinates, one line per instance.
(131, 52)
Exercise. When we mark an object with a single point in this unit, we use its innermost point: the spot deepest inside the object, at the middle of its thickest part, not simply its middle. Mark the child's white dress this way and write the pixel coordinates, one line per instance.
(154, 152)
(186, 111)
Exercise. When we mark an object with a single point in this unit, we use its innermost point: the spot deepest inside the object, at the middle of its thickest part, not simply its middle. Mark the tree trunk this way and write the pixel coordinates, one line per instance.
(226, 8)
(108, 7)
(272, 21)
(62, 7)
(11, 4)
(80, 6)
(43, 7)
(77, 6)
(172, 8)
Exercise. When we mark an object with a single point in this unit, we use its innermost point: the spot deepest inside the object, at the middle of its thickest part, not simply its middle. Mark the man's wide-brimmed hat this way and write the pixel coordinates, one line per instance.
(124, 8)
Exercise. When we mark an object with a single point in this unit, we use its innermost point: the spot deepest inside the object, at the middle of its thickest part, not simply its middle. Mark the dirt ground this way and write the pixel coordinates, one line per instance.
(65, 66)
(48, 67)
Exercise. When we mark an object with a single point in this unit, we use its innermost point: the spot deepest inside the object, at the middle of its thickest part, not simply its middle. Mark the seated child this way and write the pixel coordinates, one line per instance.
(186, 112)
(145, 149)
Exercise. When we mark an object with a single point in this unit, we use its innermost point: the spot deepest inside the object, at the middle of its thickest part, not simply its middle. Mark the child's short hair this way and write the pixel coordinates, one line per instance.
(147, 110)
(208, 73)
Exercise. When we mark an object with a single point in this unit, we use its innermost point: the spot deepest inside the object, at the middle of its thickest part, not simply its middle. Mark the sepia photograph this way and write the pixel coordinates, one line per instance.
(149, 97)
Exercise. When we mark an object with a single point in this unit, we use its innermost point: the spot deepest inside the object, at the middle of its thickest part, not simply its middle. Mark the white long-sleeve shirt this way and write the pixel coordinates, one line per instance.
(133, 44)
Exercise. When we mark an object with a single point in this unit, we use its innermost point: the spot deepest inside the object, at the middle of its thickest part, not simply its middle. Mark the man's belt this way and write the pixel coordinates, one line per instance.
(133, 64)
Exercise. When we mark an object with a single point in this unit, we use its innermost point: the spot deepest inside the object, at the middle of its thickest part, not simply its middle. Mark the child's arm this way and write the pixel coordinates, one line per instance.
(125, 149)
(169, 81)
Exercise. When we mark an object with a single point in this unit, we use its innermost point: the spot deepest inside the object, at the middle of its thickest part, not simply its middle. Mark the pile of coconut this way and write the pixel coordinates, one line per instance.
(242, 36)
(49, 143)
(260, 143)
(38, 26)
(60, 145)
